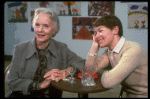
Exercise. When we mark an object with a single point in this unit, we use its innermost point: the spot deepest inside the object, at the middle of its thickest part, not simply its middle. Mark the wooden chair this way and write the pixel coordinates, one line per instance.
(6, 72)
(121, 92)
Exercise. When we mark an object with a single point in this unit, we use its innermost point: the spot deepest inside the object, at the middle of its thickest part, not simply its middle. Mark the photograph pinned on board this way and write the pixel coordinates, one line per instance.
(43, 4)
(101, 8)
(82, 28)
(68, 8)
(138, 16)
(32, 15)
(17, 12)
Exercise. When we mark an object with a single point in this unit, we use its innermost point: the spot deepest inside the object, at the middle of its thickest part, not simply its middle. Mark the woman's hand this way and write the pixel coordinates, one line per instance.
(54, 74)
(95, 38)
(95, 45)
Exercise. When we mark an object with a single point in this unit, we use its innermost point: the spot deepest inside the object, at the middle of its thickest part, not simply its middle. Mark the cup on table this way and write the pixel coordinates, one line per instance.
(87, 77)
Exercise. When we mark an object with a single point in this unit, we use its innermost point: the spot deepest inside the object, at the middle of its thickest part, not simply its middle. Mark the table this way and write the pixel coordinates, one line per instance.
(79, 88)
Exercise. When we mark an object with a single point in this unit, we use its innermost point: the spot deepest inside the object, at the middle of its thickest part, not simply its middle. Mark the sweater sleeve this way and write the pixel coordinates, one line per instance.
(128, 62)
(97, 62)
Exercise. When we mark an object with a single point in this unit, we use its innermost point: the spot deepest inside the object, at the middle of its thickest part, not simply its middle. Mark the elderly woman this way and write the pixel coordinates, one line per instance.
(37, 62)
(128, 59)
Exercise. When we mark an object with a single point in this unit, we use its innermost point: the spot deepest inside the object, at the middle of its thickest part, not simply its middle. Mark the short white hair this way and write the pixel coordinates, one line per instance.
(53, 17)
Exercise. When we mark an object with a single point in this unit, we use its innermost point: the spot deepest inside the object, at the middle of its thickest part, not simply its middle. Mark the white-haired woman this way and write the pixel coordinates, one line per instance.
(37, 62)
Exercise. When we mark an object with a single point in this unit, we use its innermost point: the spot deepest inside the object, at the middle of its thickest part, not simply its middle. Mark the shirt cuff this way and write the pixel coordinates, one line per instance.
(34, 86)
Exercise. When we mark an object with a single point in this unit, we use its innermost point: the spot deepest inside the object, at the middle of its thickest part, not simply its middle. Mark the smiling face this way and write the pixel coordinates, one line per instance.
(44, 28)
(105, 36)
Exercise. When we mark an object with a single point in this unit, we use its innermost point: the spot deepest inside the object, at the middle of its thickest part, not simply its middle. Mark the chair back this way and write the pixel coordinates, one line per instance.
(6, 72)
(121, 92)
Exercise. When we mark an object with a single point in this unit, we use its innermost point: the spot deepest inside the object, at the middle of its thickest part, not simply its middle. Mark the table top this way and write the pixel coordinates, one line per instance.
(78, 87)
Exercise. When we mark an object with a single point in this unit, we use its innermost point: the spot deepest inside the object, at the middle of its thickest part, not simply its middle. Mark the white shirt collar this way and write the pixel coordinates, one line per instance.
(119, 45)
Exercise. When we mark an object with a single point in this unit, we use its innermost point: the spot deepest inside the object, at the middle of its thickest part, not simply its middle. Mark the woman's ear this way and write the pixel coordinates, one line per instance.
(116, 30)
(54, 33)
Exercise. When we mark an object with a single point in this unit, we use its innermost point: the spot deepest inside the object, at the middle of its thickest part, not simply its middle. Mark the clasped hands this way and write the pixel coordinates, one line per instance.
(54, 75)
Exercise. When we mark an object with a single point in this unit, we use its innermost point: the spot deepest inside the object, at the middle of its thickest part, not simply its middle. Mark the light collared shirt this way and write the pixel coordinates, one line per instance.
(119, 45)
(116, 50)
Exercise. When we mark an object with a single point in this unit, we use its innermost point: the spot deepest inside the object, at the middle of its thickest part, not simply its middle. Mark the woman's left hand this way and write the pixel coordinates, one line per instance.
(48, 77)
(54, 74)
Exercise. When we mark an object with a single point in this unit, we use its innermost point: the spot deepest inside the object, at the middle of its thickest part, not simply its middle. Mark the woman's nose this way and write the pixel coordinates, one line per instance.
(40, 29)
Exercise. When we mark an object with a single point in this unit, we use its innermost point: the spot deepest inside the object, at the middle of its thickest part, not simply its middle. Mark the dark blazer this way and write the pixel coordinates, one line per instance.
(25, 62)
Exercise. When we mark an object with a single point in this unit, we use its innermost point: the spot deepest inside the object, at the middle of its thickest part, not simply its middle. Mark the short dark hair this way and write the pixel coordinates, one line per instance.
(110, 21)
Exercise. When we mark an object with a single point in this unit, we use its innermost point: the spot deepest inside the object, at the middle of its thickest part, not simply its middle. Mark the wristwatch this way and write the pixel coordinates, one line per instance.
(92, 54)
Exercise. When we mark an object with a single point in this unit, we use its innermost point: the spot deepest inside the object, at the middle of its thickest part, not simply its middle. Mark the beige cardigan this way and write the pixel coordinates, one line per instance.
(129, 68)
